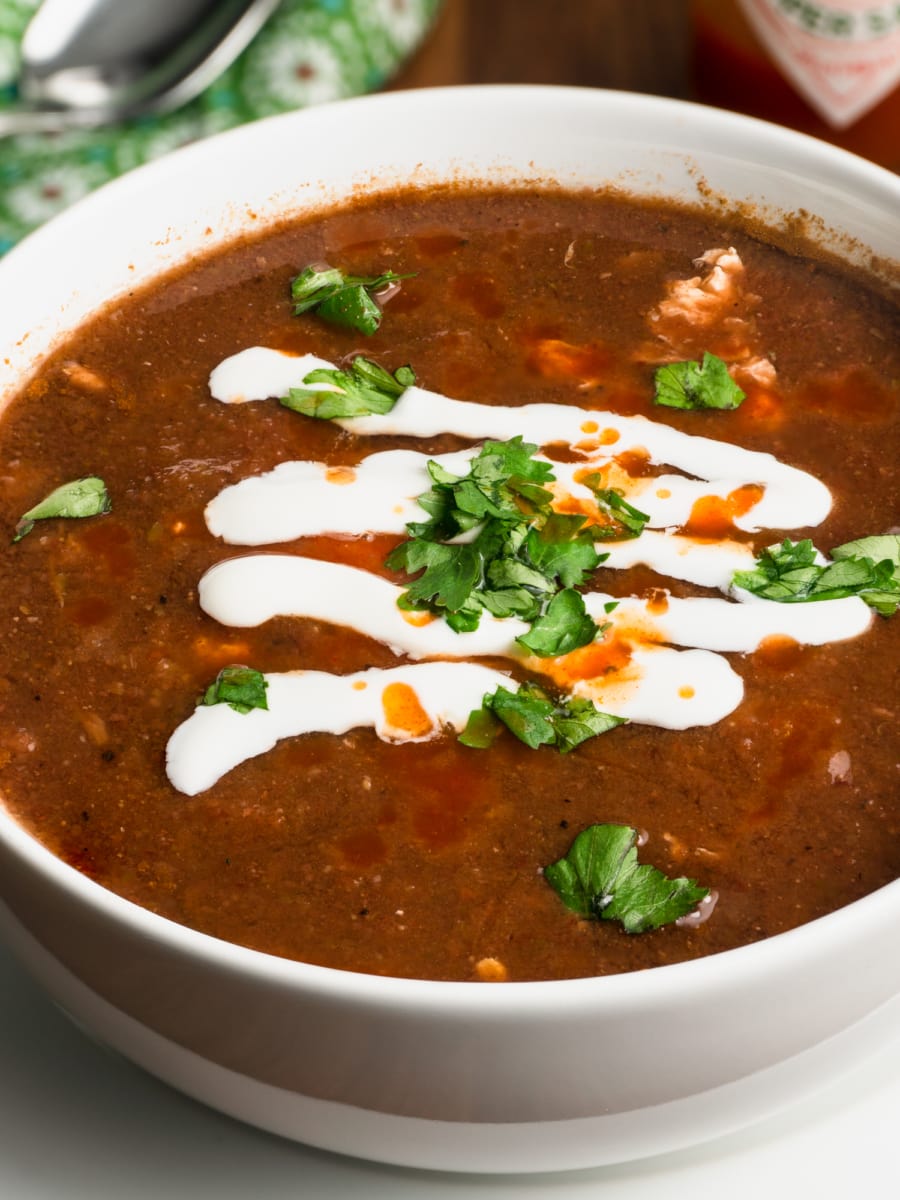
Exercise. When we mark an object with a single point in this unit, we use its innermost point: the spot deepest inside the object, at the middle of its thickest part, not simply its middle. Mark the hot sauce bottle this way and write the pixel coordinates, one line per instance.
(830, 68)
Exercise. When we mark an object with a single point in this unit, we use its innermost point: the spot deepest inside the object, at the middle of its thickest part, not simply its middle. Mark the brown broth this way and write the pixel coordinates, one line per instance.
(422, 860)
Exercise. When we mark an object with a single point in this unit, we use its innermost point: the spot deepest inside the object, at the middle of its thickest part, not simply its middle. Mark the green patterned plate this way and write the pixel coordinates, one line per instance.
(311, 51)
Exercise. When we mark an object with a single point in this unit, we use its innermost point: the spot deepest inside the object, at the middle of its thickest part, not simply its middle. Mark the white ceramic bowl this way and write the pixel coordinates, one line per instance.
(519, 1077)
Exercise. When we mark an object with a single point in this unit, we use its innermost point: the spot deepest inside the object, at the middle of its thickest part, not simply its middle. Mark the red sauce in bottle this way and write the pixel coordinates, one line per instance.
(828, 69)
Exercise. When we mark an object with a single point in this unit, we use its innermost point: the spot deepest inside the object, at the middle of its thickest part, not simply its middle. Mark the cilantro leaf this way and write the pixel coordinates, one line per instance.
(240, 687)
(509, 602)
(86, 497)
(600, 878)
(511, 462)
(449, 573)
(877, 548)
(788, 572)
(511, 572)
(883, 552)
(518, 554)
(506, 481)
(313, 285)
(580, 719)
(563, 548)
(693, 384)
(564, 626)
(785, 571)
(535, 719)
(528, 713)
(341, 299)
(624, 520)
(362, 389)
(481, 729)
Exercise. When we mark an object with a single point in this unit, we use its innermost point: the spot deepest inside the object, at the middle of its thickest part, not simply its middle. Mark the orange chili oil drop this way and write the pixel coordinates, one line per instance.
(713, 517)
(561, 452)
(556, 359)
(340, 476)
(762, 407)
(403, 710)
(441, 815)
(578, 506)
(590, 662)
(657, 601)
(852, 396)
(780, 652)
(636, 463)
(368, 553)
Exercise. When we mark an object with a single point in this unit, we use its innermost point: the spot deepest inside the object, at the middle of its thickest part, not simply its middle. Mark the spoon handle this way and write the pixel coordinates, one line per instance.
(14, 121)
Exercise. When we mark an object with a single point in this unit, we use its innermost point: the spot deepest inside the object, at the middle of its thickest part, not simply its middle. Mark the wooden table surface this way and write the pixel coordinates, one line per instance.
(638, 45)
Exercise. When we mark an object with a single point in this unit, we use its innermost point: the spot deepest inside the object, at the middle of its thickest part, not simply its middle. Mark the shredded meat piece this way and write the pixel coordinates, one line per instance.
(712, 311)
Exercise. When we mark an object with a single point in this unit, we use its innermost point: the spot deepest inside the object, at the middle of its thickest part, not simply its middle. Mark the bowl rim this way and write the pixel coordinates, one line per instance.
(670, 982)
(726, 135)
(747, 136)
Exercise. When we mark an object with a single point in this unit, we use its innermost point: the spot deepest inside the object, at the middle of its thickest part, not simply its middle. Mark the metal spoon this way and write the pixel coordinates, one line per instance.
(87, 63)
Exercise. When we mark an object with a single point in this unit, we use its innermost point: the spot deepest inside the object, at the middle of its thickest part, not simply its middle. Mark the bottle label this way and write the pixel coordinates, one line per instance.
(843, 58)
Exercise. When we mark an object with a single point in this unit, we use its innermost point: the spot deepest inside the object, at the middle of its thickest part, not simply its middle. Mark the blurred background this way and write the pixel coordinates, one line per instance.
(638, 45)
(830, 68)
(805, 63)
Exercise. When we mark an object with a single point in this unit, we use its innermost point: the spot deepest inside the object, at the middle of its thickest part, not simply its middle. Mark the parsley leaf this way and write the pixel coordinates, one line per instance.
(86, 497)
(535, 719)
(693, 384)
(240, 687)
(788, 572)
(363, 389)
(341, 299)
(600, 878)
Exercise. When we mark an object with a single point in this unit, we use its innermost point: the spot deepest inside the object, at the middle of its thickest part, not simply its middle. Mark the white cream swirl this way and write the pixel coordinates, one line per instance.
(634, 671)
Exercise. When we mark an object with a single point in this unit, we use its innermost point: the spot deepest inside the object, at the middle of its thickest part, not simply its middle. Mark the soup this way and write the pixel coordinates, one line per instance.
(346, 823)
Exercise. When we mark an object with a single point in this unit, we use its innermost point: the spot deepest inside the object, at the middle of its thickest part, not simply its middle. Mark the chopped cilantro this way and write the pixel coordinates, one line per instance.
(879, 548)
(693, 384)
(341, 299)
(563, 548)
(535, 719)
(242, 688)
(788, 572)
(449, 573)
(504, 481)
(86, 497)
(492, 543)
(600, 878)
(562, 627)
(624, 520)
(363, 389)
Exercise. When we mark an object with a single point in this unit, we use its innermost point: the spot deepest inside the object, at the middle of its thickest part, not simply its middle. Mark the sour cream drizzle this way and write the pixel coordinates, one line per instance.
(792, 499)
(215, 739)
(300, 499)
(651, 682)
(247, 591)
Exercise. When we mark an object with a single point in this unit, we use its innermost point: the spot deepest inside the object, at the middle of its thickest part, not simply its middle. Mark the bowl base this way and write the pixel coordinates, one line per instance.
(520, 1148)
